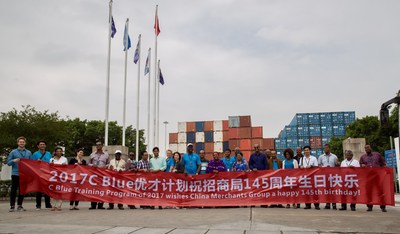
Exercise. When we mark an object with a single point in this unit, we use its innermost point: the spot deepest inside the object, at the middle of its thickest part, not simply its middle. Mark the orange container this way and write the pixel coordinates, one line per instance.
(316, 142)
(209, 147)
(233, 143)
(257, 132)
(246, 154)
(245, 133)
(173, 138)
(233, 133)
(245, 121)
(208, 126)
(190, 126)
(268, 143)
(245, 144)
(225, 125)
(225, 135)
(209, 156)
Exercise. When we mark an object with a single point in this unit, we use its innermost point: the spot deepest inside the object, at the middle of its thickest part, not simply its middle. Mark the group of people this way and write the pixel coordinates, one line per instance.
(189, 163)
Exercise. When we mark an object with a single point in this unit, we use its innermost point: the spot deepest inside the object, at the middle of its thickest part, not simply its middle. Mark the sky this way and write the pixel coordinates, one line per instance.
(268, 59)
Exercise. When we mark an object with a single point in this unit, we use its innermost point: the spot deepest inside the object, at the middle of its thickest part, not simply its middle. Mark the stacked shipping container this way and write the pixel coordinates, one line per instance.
(314, 129)
(219, 135)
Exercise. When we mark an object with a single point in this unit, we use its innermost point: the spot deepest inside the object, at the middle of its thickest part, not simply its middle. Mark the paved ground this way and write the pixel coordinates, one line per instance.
(192, 221)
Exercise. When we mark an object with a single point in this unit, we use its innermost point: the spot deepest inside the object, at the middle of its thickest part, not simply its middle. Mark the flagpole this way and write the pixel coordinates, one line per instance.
(158, 102)
(148, 104)
(126, 71)
(137, 103)
(108, 75)
(155, 80)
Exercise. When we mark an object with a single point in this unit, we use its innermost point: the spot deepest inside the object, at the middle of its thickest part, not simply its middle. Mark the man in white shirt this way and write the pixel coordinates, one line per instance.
(349, 162)
(308, 161)
(328, 160)
(117, 164)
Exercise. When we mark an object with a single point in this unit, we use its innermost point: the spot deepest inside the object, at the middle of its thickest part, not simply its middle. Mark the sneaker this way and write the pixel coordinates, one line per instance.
(92, 208)
(12, 209)
(121, 208)
(20, 208)
(38, 208)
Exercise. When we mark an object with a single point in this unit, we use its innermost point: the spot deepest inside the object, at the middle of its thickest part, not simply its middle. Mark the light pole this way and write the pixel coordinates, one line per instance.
(165, 123)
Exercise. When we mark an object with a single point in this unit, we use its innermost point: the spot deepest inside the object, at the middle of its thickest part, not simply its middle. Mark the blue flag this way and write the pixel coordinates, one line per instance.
(126, 44)
(113, 29)
(147, 66)
(136, 57)
(161, 77)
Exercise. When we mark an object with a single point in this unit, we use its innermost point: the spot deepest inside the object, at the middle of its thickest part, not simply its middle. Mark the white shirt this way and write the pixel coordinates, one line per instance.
(352, 162)
(118, 165)
(327, 160)
(61, 160)
(310, 161)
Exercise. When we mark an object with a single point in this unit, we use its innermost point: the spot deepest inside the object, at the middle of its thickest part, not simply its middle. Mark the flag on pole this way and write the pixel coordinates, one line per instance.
(156, 23)
(161, 78)
(113, 29)
(136, 57)
(127, 44)
(147, 66)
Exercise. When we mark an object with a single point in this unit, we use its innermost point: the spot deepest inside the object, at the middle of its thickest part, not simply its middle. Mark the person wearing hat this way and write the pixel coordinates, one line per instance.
(98, 159)
(117, 164)
(191, 161)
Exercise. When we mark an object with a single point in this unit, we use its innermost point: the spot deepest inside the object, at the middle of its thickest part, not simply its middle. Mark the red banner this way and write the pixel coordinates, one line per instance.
(317, 185)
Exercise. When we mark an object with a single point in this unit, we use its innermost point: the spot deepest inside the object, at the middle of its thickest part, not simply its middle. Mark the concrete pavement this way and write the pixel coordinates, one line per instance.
(187, 221)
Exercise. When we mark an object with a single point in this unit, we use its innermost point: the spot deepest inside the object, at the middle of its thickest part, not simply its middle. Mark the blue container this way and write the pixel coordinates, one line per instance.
(337, 117)
(199, 146)
(325, 118)
(339, 130)
(303, 131)
(291, 131)
(226, 145)
(191, 137)
(292, 143)
(303, 142)
(313, 118)
(294, 121)
(325, 140)
(209, 136)
(326, 130)
(282, 134)
(200, 126)
(279, 154)
(315, 130)
(302, 119)
(280, 143)
(234, 121)
(349, 117)
(318, 152)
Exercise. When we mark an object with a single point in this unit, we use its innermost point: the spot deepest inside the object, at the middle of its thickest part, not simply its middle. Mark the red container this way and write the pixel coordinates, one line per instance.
(225, 135)
(190, 126)
(233, 133)
(268, 143)
(173, 138)
(245, 133)
(225, 125)
(247, 154)
(316, 142)
(208, 126)
(234, 143)
(257, 141)
(257, 132)
(209, 156)
(209, 147)
(245, 144)
(245, 121)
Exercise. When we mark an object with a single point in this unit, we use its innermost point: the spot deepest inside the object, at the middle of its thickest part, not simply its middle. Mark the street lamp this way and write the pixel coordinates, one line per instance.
(165, 123)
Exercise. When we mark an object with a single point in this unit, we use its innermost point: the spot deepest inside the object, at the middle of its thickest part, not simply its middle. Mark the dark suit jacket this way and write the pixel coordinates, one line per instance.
(271, 165)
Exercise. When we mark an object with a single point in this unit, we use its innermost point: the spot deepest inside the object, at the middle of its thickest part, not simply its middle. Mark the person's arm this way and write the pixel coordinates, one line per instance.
(320, 161)
(11, 160)
(251, 161)
(295, 163)
(163, 165)
(266, 163)
(198, 162)
(382, 161)
(283, 163)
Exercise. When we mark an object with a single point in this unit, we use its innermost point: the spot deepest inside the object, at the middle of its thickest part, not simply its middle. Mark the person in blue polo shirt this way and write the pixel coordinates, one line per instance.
(191, 161)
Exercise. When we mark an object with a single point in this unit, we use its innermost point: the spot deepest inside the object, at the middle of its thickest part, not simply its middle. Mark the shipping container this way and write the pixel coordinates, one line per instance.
(234, 122)
(218, 147)
(209, 156)
(279, 154)
(233, 143)
(326, 130)
(190, 126)
(314, 130)
(247, 154)
(282, 134)
(226, 145)
(319, 152)
(209, 136)
(233, 133)
(268, 143)
(182, 137)
(199, 146)
(218, 126)
(290, 131)
(314, 153)
(225, 135)
(339, 130)
(173, 147)
(209, 147)
(325, 140)
(181, 126)
(258, 142)
(280, 143)
(208, 126)
(200, 126)
(173, 138)
(245, 133)
(191, 137)
(245, 121)
(245, 144)
(182, 148)
(313, 118)
(315, 142)
(225, 125)
(349, 117)
(200, 137)
(303, 141)
(292, 143)
(337, 117)
(303, 131)
(325, 118)
(218, 136)
(302, 119)
(257, 132)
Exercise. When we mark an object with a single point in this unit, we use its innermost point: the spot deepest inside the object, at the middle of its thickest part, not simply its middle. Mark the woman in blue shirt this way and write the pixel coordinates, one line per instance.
(289, 163)
(240, 164)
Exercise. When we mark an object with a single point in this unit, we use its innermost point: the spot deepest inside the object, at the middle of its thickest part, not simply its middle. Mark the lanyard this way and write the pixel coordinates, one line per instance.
(348, 164)
(308, 162)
